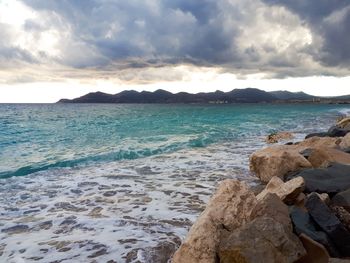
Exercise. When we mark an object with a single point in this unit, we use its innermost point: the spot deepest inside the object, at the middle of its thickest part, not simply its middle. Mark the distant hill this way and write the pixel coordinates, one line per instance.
(248, 95)
(287, 95)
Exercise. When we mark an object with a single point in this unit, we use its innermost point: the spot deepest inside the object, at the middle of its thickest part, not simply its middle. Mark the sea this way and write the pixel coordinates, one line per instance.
(125, 182)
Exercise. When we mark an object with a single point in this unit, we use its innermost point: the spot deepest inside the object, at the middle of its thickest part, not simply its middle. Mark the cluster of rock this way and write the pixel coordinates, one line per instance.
(302, 215)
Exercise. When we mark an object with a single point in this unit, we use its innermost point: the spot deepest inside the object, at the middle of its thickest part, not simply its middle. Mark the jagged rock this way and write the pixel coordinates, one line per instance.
(329, 223)
(342, 214)
(277, 161)
(335, 131)
(287, 192)
(300, 201)
(303, 224)
(343, 123)
(228, 209)
(319, 142)
(271, 206)
(316, 253)
(325, 198)
(331, 180)
(323, 157)
(279, 136)
(342, 199)
(262, 240)
(345, 142)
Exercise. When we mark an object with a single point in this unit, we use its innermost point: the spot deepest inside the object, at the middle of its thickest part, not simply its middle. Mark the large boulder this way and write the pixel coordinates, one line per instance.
(319, 142)
(277, 161)
(272, 206)
(262, 240)
(287, 192)
(228, 209)
(344, 123)
(329, 223)
(323, 157)
(342, 199)
(331, 180)
(304, 224)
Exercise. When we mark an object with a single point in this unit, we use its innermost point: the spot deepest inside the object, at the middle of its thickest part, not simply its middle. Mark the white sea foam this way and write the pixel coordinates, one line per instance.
(126, 211)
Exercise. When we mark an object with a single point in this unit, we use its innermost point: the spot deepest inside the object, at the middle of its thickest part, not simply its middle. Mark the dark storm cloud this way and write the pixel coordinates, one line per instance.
(330, 20)
(239, 36)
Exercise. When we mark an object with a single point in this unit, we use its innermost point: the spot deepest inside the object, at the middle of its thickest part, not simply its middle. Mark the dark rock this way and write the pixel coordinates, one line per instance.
(331, 180)
(329, 223)
(342, 199)
(304, 224)
(335, 131)
(316, 253)
(319, 134)
(69, 207)
(16, 229)
(306, 153)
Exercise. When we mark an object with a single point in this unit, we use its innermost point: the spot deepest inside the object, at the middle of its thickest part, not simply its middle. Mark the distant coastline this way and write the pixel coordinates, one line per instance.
(248, 95)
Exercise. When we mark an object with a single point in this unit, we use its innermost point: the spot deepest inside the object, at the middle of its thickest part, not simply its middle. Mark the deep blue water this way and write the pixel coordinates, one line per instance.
(39, 137)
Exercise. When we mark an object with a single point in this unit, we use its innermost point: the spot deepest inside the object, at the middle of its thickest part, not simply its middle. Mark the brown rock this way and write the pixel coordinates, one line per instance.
(339, 260)
(271, 206)
(262, 240)
(343, 122)
(300, 201)
(319, 142)
(228, 209)
(288, 191)
(280, 136)
(323, 157)
(345, 143)
(316, 253)
(277, 161)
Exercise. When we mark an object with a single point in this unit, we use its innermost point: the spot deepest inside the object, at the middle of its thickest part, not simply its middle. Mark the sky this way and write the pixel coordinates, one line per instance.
(53, 49)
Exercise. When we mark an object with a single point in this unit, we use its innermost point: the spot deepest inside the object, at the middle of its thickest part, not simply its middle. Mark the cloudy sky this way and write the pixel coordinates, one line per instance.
(51, 49)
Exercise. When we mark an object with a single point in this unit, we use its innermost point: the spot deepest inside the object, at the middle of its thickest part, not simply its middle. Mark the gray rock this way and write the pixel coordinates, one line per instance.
(335, 131)
(342, 199)
(329, 223)
(331, 180)
(304, 224)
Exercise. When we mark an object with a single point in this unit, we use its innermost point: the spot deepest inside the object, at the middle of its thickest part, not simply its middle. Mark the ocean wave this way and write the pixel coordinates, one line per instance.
(201, 141)
(344, 111)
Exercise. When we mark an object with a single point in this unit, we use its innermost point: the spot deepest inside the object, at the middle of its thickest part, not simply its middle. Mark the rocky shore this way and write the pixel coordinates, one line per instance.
(302, 215)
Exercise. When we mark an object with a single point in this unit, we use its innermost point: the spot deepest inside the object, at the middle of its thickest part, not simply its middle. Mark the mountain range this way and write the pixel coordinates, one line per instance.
(248, 95)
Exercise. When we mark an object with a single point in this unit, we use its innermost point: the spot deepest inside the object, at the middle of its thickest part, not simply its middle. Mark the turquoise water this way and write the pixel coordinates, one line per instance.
(125, 182)
(39, 137)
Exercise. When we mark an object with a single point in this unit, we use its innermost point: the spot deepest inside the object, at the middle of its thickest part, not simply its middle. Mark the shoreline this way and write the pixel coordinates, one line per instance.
(306, 185)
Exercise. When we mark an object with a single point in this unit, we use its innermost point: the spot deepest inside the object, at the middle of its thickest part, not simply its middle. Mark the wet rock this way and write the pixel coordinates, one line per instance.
(277, 161)
(271, 206)
(228, 209)
(18, 229)
(323, 157)
(45, 225)
(262, 240)
(279, 136)
(331, 180)
(316, 253)
(342, 199)
(304, 224)
(109, 193)
(335, 131)
(162, 252)
(317, 134)
(329, 223)
(288, 191)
